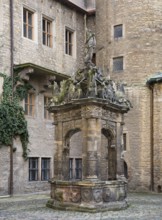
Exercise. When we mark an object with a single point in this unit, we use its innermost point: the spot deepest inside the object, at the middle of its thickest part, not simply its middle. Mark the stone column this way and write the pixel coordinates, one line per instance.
(120, 164)
(92, 147)
(58, 153)
(84, 153)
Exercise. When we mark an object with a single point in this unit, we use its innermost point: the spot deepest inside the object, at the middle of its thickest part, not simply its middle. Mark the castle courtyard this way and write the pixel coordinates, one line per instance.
(143, 206)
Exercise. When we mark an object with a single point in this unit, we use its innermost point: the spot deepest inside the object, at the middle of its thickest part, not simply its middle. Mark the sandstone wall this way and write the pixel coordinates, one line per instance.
(141, 48)
(41, 131)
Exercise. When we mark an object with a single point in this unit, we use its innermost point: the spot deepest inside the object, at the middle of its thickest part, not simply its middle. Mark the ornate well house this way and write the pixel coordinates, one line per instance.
(44, 42)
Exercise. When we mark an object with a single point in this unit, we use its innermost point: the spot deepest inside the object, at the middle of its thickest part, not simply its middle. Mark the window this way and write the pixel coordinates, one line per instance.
(124, 142)
(30, 104)
(118, 31)
(39, 169)
(68, 42)
(47, 114)
(33, 169)
(71, 168)
(47, 32)
(28, 28)
(75, 168)
(117, 64)
(45, 169)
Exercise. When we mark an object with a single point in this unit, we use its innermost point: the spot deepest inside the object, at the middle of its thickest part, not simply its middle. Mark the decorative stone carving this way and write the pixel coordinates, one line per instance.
(58, 195)
(109, 115)
(75, 195)
(106, 194)
(97, 195)
(86, 195)
(91, 111)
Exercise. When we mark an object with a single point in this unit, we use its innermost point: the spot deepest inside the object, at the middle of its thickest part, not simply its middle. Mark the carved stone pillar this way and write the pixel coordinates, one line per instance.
(92, 146)
(120, 164)
(58, 154)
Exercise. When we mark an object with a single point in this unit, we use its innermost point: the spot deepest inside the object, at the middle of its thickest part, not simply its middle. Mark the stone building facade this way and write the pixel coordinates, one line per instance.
(40, 32)
(128, 35)
(131, 42)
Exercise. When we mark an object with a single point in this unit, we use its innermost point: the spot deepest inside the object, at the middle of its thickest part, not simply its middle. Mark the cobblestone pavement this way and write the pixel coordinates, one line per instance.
(143, 206)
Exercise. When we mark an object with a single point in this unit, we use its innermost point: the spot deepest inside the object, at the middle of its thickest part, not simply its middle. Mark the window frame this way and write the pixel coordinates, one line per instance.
(114, 67)
(48, 34)
(27, 105)
(115, 31)
(73, 169)
(69, 46)
(33, 169)
(46, 169)
(27, 25)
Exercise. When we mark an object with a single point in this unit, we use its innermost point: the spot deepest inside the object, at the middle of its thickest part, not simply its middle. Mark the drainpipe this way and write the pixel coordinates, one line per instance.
(11, 73)
(152, 136)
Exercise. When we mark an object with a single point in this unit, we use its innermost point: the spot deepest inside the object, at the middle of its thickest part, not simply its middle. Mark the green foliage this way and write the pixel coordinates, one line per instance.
(12, 119)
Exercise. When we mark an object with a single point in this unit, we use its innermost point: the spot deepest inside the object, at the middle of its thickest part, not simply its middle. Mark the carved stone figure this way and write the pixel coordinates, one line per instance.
(90, 46)
(106, 194)
(97, 195)
(89, 82)
(75, 196)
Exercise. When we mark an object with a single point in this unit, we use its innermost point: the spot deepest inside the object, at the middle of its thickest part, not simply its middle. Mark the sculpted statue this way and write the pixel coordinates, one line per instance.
(89, 82)
(90, 46)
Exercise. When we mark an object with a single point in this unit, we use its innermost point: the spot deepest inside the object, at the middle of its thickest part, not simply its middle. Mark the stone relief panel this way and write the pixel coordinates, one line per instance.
(86, 194)
(75, 195)
(75, 113)
(97, 195)
(106, 194)
(106, 114)
(91, 111)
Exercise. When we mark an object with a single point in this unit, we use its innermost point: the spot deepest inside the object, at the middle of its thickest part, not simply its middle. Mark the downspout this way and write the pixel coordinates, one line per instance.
(152, 136)
(11, 73)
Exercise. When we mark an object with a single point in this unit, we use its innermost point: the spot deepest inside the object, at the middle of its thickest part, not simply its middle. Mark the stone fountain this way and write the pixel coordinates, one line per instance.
(90, 107)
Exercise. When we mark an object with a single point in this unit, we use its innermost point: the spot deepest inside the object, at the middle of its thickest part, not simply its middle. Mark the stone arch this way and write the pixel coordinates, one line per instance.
(72, 149)
(108, 155)
(68, 136)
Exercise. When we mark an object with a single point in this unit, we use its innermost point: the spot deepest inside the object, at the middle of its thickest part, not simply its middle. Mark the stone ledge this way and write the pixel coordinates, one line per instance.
(113, 206)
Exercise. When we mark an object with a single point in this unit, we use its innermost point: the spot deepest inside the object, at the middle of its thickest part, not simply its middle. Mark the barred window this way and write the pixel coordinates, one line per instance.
(118, 31)
(45, 169)
(47, 32)
(78, 168)
(33, 169)
(117, 64)
(71, 168)
(28, 24)
(69, 42)
(75, 168)
(30, 104)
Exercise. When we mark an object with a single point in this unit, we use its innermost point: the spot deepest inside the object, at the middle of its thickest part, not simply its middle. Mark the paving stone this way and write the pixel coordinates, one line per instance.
(145, 206)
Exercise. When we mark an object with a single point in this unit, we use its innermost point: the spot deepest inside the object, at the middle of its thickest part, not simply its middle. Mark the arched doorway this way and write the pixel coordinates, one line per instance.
(72, 155)
(108, 155)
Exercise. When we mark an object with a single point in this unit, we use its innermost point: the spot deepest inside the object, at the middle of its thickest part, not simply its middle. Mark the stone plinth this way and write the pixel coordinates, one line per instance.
(88, 195)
